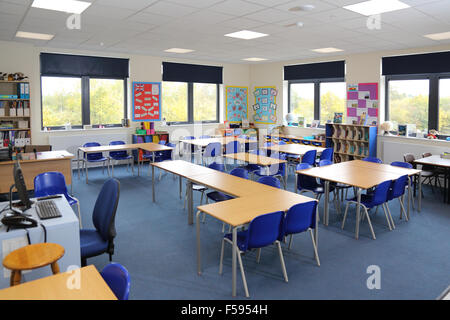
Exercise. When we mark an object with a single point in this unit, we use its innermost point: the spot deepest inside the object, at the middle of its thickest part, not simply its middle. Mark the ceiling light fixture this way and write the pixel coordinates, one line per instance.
(438, 36)
(35, 36)
(179, 50)
(246, 35)
(255, 59)
(70, 6)
(327, 50)
(373, 7)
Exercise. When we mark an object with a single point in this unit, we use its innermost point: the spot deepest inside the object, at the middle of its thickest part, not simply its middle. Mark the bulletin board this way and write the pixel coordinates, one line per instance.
(236, 103)
(362, 103)
(146, 101)
(265, 107)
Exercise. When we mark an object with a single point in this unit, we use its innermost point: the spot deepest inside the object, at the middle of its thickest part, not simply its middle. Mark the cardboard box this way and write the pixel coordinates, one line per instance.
(23, 124)
(12, 112)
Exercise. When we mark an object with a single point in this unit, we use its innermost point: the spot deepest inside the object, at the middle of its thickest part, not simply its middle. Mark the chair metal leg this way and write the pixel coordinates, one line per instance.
(244, 280)
(402, 209)
(345, 215)
(316, 253)
(221, 257)
(283, 266)
(387, 218)
(79, 214)
(370, 223)
(290, 242)
(258, 255)
(390, 216)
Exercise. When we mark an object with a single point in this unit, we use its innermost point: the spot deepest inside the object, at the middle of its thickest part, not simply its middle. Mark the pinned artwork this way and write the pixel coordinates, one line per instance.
(265, 107)
(362, 103)
(147, 101)
(237, 103)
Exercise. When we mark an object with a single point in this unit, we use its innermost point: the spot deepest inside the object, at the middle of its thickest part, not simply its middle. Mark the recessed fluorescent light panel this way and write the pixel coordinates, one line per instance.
(179, 50)
(32, 35)
(327, 50)
(373, 7)
(255, 59)
(246, 34)
(438, 36)
(70, 6)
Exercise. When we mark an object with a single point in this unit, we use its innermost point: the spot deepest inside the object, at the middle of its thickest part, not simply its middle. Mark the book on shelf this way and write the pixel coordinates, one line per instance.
(338, 117)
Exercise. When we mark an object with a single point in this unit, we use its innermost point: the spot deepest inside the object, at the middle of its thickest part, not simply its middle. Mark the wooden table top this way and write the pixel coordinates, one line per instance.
(55, 287)
(254, 158)
(33, 256)
(148, 146)
(183, 168)
(294, 148)
(223, 140)
(45, 156)
(384, 167)
(350, 174)
(434, 160)
(290, 136)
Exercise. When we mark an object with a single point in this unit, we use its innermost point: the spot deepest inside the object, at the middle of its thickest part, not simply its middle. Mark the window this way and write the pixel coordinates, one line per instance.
(444, 106)
(408, 102)
(188, 102)
(83, 90)
(317, 100)
(332, 99)
(61, 101)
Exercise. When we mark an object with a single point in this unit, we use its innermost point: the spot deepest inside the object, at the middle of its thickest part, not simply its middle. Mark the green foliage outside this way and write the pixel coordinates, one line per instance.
(444, 115)
(106, 101)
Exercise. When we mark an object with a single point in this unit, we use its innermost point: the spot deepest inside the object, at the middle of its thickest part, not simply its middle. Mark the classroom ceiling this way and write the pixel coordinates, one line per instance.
(149, 27)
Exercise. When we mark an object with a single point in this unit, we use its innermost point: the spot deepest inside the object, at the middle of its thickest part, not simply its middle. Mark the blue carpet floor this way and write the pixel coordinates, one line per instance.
(158, 247)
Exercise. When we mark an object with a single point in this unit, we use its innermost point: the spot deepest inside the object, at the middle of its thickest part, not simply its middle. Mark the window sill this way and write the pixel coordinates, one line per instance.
(86, 130)
(435, 141)
(190, 124)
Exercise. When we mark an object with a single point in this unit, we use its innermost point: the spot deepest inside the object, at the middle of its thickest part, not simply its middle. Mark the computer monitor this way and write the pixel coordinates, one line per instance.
(19, 183)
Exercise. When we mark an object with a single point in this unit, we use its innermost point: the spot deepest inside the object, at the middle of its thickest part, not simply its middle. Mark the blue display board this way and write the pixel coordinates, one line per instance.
(237, 103)
(265, 107)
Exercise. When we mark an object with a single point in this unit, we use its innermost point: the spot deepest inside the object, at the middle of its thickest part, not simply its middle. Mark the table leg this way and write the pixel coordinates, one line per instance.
(409, 197)
(199, 258)
(358, 210)
(233, 262)
(447, 184)
(190, 202)
(420, 192)
(86, 169)
(316, 229)
(285, 176)
(153, 183)
(181, 188)
(296, 181)
(78, 163)
(326, 205)
(16, 277)
(55, 267)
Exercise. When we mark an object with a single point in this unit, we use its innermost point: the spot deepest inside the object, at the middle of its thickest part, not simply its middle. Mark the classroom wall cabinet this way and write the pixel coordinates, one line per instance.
(144, 138)
(351, 142)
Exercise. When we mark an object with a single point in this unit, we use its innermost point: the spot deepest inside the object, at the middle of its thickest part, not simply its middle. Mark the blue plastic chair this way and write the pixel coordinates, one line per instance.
(372, 159)
(275, 170)
(326, 154)
(300, 218)
(281, 143)
(118, 280)
(374, 199)
(217, 196)
(53, 183)
(270, 181)
(233, 147)
(309, 184)
(94, 157)
(397, 191)
(310, 157)
(339, 187)
(165, 155)
(186, 146)
(205, 137)
(262, 231)
(402, 164)
(120, 155)
(212, 150)
(94, 242)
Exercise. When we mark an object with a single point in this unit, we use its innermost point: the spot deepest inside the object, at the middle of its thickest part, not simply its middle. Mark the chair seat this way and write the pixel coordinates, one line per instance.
(218, 196)
(426, 174)
(199, 187)
(125, 157)
(342, 185)
(241, 237)
(91, 243)
(97, 160)
(366, 200)
(251, 167)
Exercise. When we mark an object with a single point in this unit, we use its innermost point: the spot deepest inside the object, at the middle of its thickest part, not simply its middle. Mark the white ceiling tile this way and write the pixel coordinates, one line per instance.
(170, 9)
(271, 15)
(127, 4)
(197, 3)
(98, 10)
(319, 6)
(149, 18)
(236, 7)
(12, 8)
(269, 3)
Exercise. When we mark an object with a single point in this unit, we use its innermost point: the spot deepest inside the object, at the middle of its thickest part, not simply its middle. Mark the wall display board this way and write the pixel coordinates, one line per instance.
(146, 101)
(265, 107)
(362, 103)
(236, 103)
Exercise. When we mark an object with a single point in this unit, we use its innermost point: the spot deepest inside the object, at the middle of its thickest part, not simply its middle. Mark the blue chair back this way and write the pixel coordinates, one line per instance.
(327, 154)
(205, 137)
(264, 230)
(397, 188)
(117, 154)
(217, 166)
(239, 172)
(213, 149)
(162, 142)
(402, 164)
(281, 142)
(118, 280)
(380, 194)
(270, 181)
(279, 167)
(105, 209)
(92, 156)
(310, 157)
(268, 144)
(233, 147)
(372, 159)
(300, 217)
(49, 183)
(259, 152)
(303, 181)
(189, 138)
(323, 163)
(167, 154)
(243, 136)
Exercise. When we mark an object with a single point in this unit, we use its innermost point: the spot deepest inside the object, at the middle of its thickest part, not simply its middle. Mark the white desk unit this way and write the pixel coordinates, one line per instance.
(64, 231)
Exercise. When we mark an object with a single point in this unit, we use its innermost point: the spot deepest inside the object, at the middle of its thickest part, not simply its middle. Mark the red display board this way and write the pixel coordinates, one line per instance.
(147, 101)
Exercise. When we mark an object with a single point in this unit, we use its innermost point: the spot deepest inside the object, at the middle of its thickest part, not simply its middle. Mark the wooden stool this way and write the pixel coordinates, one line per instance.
(32, 257)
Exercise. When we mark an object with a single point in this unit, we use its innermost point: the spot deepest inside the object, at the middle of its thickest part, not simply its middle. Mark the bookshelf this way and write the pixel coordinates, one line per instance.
(15, 116)
(351, 142)
(143, 138)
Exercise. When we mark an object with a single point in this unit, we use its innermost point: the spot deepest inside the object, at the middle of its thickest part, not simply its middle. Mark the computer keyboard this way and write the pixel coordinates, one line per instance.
(47, 209)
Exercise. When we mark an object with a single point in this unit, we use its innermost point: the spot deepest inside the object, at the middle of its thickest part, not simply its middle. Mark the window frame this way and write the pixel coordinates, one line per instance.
(85, 102)
(190, 105)
(316, 83)
(433, 96)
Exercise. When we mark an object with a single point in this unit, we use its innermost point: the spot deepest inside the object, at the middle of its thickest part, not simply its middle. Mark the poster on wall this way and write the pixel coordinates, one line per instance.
(236, 103)
(265, 107)
(362, 103)
(146, 101)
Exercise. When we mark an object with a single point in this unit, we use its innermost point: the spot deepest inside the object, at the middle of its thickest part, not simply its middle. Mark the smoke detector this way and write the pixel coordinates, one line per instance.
(303, 7)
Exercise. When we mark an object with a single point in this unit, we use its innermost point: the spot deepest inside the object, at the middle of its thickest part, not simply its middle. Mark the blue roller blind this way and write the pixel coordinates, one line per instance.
(321, 70)
(438, 62)
(182, 72)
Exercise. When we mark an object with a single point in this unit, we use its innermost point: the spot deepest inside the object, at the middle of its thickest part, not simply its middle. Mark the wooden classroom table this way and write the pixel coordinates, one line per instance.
(205, 141)
(294, 148)
(45, 161)
(360, 175)
(252, 199)
(58, 287)
(149, 146)
(258, 160)
(437, 161)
